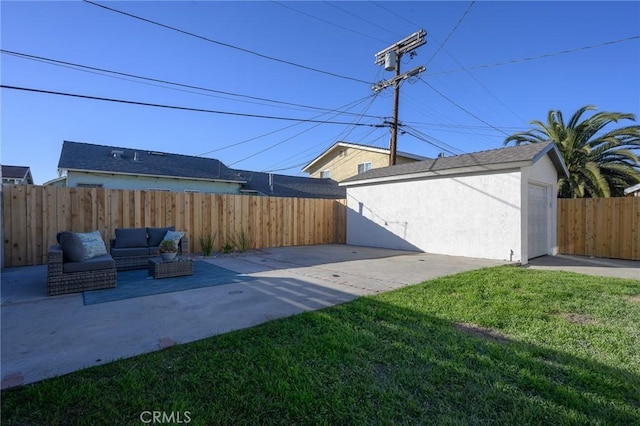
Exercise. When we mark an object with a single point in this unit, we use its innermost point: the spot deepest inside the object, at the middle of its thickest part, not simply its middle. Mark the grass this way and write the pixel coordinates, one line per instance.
(503, 345)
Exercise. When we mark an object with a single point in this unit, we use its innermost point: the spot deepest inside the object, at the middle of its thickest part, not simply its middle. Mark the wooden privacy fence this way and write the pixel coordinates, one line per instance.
(601, 227)
(33, 215)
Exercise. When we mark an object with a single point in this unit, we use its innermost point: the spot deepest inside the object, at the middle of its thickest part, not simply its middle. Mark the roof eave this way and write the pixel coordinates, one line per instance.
(155, 176)
(555, 156)
(632, 189)
(436, 173)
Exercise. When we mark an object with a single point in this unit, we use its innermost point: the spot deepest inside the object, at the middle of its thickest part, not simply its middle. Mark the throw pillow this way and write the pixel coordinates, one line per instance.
(157, 234)
(92, 243)
(173, 236)
(72, 248)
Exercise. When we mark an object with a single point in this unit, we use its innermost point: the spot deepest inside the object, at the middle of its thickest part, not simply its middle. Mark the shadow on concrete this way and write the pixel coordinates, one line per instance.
(29, 283)
(73, 335)
(566, 260)
(587, 265)
(374, 360)
(264, 260)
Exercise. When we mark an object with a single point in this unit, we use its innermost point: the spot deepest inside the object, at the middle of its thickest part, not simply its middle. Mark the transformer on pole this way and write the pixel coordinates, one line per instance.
(390, 59)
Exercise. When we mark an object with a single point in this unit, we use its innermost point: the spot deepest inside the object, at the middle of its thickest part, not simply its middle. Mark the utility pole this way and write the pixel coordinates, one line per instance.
(390, 58)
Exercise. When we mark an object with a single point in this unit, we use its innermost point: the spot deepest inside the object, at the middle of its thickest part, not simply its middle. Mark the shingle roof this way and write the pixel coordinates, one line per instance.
(102, 158)
(292, 186)
(14, 172)
(90, 157)
(495, 157)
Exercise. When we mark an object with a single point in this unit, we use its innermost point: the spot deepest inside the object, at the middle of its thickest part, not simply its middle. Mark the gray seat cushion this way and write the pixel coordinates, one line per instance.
(129, 252)
(94, 264)
(131, 237)
(156, 235)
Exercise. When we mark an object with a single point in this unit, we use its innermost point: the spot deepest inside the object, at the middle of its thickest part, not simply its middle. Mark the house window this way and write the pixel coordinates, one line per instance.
(191, 190)
(363, 167)
(325, 174)
(89, 185)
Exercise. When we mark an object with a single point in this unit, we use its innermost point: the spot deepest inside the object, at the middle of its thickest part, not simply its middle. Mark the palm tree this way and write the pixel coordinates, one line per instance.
(600, 163)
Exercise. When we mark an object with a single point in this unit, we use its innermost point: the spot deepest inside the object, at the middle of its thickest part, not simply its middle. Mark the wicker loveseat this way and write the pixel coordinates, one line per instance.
(132, 247)
(68, 273)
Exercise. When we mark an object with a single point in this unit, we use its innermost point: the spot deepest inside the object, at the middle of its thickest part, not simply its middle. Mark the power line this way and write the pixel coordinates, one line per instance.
(298, 134)
(318, 152)
(430, 140)
(478, 81)
(455, 125)
(81, 67)
(238, 114)
(349, 105)
(337, 163)
(462, 108)
(275, 144)
(359, 118)
(413, 24)
(327, 22)
(339, 137)
(261, 55)
(450, 55)
(362, 19)
(545, 55)
(451, 32)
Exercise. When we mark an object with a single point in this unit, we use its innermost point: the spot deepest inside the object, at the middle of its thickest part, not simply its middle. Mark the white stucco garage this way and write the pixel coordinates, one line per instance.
(497, 204)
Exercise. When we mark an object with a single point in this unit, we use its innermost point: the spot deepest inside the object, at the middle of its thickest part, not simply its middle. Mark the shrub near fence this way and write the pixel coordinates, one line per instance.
(601, 227)
(33, 215)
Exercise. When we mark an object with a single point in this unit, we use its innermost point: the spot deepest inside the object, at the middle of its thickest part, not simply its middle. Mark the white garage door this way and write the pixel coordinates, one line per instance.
(538, 221)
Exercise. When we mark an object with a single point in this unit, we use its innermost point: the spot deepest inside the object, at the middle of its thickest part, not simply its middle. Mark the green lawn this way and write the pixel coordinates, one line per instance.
(502, 345)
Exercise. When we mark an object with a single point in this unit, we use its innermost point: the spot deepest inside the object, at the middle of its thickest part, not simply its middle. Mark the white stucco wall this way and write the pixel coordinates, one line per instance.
(145, 183)
(475, 215)
(543, 173)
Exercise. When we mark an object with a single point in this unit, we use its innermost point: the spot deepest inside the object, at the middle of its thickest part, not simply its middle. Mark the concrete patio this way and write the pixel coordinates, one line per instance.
(588, 265)
(43, 337)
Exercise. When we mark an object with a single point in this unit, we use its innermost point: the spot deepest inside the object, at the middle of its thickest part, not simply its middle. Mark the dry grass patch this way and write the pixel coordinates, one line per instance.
(482, 332)
(635, 299)
(576, 318)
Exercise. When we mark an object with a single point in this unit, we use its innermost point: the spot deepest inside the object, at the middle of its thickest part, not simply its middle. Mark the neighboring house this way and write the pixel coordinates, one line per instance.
(17, 175)
(87, 165)
(343, 160)
(290, 186)
(498, 204)
(632, 191)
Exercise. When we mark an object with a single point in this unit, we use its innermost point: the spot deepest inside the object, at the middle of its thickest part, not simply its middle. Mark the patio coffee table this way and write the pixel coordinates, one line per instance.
(178, 267)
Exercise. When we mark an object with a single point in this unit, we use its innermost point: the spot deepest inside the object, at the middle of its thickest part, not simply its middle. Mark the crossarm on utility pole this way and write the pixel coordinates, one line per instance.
(396, 50)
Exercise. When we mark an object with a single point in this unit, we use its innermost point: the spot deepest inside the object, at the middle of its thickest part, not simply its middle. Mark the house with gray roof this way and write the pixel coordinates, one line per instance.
(100, 166)
(16, 175)
(496, 204)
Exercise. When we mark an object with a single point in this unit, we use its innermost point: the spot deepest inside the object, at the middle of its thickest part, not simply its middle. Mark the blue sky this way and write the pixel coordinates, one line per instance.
(458, 105)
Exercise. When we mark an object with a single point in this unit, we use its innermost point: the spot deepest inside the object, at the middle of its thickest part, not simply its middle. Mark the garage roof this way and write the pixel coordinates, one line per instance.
(495, 159)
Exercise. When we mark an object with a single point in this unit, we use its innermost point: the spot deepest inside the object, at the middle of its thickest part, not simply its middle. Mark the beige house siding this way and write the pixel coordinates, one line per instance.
(342, 163)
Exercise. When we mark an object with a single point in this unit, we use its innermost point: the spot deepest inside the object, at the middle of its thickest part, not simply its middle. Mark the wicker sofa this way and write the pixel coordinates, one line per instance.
(69, 276)
(132, 247)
